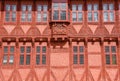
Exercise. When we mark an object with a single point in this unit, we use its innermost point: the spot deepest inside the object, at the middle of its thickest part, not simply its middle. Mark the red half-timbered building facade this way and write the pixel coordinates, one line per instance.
(59, 40)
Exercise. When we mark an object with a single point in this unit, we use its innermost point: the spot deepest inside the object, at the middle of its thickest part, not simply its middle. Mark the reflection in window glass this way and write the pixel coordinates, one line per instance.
(55, 6)
(105, 16)
(29, 7)
(39, 7)
(63, 15)
(28, 59)
(74, 7)
(74, 16)
(11, 60)
(105, 6)
(45, 16)
(43, 59)
(95, 7)
(45, 7)
(107, 59)
(89, 7)
(80, 7)
(5, 59)
(13, 7)
(56, 15)
(114, 59)
(89, 16)
(29, 17)
(7, 7)
(38, 17)
(80, 16)
(23, 7)
(95, 16)
(14, 16)
(111, 7)
(5, 49)
(111, 16)
(63, 5)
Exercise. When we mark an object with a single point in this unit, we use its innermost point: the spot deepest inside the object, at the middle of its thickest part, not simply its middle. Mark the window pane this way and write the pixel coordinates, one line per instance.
(113, 49)
(7, 16)
(111, 6)
(22, 49)
(5, 49)
(23, 7)
(43, 59)
(28, 50)
(95, 16)
(5, 59)
(81, 59)
(107, 59)
(95, 7)
(63, 15)
(29, 7)
(38, 49)
(105, 6)
(89, 7)
(80, 16)
(75, 50)
(74, 17)
(21, 59)
(75, 59)
(37, 59)
(55, 5)
(38, 16)
(107, 49)
(11, 60)
(56, 15)
(44, 16)
(63, 5)
(113, 59)
(80, 7)
(45, 7)
(7, 7)
(28, 59)
(44, 49)
(13, 7)
(105, 15)
(81, 49)
(89, 16)
(12, 49)
(39, 8)
(29, 16)
(111, 16)
(23, 16)
(13, 16)
(74, 7)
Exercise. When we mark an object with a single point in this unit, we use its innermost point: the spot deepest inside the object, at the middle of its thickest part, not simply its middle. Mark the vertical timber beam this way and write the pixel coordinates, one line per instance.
(70, 59)
(48, 60)
(103, 59)
(86, 58)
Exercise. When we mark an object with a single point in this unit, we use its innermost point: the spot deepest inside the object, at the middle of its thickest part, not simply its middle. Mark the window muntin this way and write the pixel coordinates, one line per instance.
(8, 54)
(10, 13)
(110, 54)
(26, 13)
(42, 13)
(78, 54)
(108, 12)
(41, 55)
(77, 13)
(92, 12)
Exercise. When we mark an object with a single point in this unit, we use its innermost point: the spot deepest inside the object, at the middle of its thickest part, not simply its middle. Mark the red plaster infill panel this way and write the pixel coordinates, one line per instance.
(112, 73)
(59, 59)
(60, 74)
(78, 73)
(95, 73)
(7, 73)
(9, 28)
(94, 60)
(24, 73)
(94, 47)
(41, 73)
